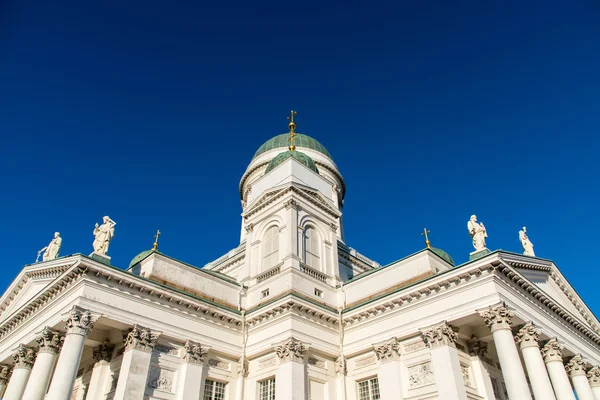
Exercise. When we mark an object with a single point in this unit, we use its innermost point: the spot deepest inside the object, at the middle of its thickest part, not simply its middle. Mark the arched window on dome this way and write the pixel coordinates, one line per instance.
(270, 248)
(312, 248)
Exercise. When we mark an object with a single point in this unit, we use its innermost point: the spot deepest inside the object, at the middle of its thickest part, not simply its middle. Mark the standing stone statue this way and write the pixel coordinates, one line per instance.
(526, 243)
(104, 234)
(51, 251)
(477, 232)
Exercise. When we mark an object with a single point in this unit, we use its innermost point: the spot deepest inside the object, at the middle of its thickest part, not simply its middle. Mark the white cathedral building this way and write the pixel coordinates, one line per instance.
(294, 313)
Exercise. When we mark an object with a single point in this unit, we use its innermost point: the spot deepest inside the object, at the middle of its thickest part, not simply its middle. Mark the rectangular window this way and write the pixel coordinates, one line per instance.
(318, 292)
(368, 389)
(214, 390)
(264, 293)
(266, 389)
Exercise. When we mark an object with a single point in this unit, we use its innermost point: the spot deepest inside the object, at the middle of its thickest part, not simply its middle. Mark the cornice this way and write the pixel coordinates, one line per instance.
(247, 174)
(296, 305)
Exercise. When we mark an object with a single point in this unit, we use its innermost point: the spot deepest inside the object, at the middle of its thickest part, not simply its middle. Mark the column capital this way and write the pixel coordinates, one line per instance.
(340, 366)
(103, 352)
(80, 321)
(441, 334)
(24, 357)
(291, 349)
(387, 350)
(194, 352)
(552, 351)
(594, 376)
(497, 317)
(576, 366)
(477, 347)
(49, 341)
(141, 338)
(528, 336)
(5, 373)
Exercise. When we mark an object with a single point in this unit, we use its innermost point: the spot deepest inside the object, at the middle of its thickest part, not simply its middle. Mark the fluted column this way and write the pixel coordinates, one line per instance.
(527, 339)
(594, 379)
(552, 353)
(290, 378)
(139, 343)
(100, 374)
(390, 379)
(24, 357)
(192, 373)
(576, 369)
(49, 345)
(441, 339)
(499, 319)
(5, 372)
(78, 324)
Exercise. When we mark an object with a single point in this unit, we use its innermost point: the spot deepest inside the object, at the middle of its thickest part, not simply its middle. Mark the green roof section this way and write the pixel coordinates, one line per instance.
(301, 140)
(142, 256)
(443, 255)
(296, 155)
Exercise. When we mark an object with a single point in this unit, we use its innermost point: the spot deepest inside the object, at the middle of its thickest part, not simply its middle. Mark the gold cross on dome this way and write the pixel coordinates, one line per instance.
(292, 126)
(158, 232)
(425, 232)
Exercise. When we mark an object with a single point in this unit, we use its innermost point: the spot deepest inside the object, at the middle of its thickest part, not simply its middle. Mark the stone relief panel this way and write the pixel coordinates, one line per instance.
(363, 362)
(467, 376)
(415, 346)
(219, 364)
(317, 362)
(420, 375)
(166, 349)
(161, 379)
(267, 362)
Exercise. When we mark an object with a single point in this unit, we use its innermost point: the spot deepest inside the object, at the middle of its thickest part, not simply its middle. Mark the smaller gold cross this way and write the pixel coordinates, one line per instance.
(158, 232)
(425, 232)
(292, 126)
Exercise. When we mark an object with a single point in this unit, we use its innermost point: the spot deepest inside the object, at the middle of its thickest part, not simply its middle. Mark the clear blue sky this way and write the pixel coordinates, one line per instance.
(150, 112)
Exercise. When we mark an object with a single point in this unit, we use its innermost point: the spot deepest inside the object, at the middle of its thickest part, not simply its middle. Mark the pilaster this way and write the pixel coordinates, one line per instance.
(101, 373)
(477, 350)
(193, 372)
(290, 379)
(390, 373)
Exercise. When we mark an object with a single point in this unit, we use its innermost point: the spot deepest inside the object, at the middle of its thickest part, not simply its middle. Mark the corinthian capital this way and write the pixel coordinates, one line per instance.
(194, 352)
(388, 350)
(576, 366)
(441, 334)
(141, 338)
(5, 373)
(49, 341)
(291, 350)
(103, 352)
(594, 376)
(498, 317)
(528, 336)
(477, 347)
(552, 351)
(80, 321)
(24, 357)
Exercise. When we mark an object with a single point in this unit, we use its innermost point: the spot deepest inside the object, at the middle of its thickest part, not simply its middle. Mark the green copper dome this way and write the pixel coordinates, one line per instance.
(141, 256)
(443, 255)
(300, 140)
(297, 155)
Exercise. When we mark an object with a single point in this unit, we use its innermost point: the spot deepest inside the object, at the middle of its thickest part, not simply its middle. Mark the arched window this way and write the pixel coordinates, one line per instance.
(271, 248)
(312, 253)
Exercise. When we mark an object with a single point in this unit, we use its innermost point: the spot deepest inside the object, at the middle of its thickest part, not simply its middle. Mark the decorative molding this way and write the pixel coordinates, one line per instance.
(49, 341)
(161, 379)
(291, 349)
(594, 376)
(5, 373)
(388, 350)
(333, 226)
(267, 362)
(103, 352)
(466, 373)
(420, 375)
(552, 351)
(317, 362)
(194, 352)
(291, 203)
(308, 311)
(243, 367)
(363, 362)
(414, 346)
(528, 336)
(576, 366)
(141, 338)
(476, 347)
(498, 317)
(80, 321)
(24, 357)
(166, 349)
(441, 334)
(219, 364)
(341, 367)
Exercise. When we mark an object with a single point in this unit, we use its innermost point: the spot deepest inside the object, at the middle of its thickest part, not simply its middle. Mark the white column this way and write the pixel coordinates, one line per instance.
(552, 353)
(498, 319)
(49, 344)
(441, 339)
(135, 366)
(527, 339)
(79, 322)
(390, 379)
(192, 374)
(290, 379)
(5, 372)
(576, 369)
(594, 378)
(24, 358)
(243, 365)
(97, 386)
(483, 381)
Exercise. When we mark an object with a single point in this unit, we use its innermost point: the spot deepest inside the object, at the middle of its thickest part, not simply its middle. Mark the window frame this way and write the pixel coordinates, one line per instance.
(372, 389)
(215, 384)
(268, 383)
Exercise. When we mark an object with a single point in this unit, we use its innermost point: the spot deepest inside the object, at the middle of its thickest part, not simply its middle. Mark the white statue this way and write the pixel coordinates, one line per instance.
(104, 234)
(51, 251)
(477, 232)
(526, 243)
